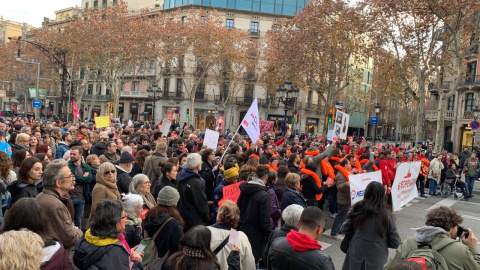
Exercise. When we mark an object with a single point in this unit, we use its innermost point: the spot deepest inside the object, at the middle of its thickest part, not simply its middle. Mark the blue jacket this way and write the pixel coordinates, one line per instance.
(5, 147)
(293, 196)
(61, 150)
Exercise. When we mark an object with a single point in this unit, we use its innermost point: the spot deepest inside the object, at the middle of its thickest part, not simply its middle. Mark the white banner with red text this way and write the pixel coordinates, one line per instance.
(404, 187)
(359, 182)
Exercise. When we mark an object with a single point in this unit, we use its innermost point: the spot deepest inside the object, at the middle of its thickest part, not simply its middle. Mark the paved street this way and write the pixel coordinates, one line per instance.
(413, 216)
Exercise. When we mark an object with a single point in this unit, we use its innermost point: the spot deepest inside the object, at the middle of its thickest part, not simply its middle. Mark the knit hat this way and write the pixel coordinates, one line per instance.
(168, 196)
(232, 172)
(126, 158)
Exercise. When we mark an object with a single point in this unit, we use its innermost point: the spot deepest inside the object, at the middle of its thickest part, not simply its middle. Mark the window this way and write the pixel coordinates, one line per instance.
(200, 91)
(229, 23)
(86, 5)
(248, 94)
(184, 19)
(95, 4)
(224, 92)
(310, 97)
(90, 89)
(166, 87)
(151, 65)
(114, 2)
(469, 102)
(107, 92)
(254, 28)
(104, 3)
(179, 85)
(135, 86)
(451, 103)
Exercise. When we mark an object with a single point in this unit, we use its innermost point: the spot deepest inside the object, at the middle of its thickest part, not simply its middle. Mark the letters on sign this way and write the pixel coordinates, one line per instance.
(230, 192)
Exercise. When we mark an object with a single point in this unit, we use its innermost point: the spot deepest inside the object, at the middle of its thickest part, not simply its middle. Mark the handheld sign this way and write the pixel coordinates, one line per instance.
(211, 139)
(102, 121)
(230, 192)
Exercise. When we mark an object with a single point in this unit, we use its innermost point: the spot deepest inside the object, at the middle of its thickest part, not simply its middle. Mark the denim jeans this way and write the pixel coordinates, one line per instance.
(433, 186)
(332, 207)
(421, 184)
(470, 181)
(78, 205)
(339, 219)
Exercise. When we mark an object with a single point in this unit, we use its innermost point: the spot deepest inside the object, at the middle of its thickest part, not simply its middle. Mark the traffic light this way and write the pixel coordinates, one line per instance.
(188, 112)
(110, 107)
(330, 116)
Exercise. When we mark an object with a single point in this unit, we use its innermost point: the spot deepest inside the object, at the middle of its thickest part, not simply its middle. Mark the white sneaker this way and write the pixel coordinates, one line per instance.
(333, 215)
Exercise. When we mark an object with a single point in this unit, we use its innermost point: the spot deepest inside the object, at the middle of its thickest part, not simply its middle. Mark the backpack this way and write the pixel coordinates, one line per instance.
(427, 255)
(150, 255)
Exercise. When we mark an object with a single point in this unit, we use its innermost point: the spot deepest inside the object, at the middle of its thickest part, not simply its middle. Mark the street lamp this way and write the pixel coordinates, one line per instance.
(154, 89)
(37, 96)
(377, 110)
(286, 100)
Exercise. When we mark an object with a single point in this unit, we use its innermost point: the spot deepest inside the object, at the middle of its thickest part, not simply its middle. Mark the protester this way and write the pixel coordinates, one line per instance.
(453, 179)
(231, 171)
(18, 157)
(83, 177)
(141, 185)
(151, 167)
(342, 183)
(434, 174)
(168, 177)
(311, 184)
(133, 225)
(29, 180)
(123, 172)
(209, 172)
(106, 186)
(21, 250)
(472, 168)
(292, 194)
(370, 219)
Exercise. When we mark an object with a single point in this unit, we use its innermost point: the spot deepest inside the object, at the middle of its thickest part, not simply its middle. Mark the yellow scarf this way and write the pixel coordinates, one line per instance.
(97, 241)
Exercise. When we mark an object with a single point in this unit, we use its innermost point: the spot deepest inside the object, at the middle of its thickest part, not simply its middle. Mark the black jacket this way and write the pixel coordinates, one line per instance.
(132, 235)
(292, 167)
(193, 205)
(255, 210)
(233, 261)
(98, 148)
(278, 232)
(114, 257)
(310, 187)
(20, 190)
(293, 196)
(264, 159)
(123, 180)
(283, 257)
(209, 176)
(163, 182)
(167, 239)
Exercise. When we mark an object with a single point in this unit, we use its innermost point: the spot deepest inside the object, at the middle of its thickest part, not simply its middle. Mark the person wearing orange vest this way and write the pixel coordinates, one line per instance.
(311, 185)
(272, 165)
(422, 176)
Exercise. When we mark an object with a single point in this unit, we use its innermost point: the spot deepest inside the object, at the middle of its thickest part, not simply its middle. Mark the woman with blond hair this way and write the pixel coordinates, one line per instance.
(292, 194)
(20, 250)
(228, 217)
(106, 186)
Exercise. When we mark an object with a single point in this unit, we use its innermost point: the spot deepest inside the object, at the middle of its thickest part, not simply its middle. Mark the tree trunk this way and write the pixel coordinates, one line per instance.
(440, 132)
(420, 127)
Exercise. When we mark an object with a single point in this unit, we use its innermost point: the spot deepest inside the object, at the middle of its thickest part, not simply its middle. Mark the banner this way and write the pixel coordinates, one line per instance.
(251, 122)
(359, 182)
(211, 139)
(102, 121)
(220, 124)
(165, 126)
(404, 188)
(266, 126)
(230, 192)
(76, 113)
(341, 125)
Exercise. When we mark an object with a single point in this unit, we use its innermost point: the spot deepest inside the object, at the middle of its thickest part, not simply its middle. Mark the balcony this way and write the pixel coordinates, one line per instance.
(173, 95)
(467, 115)
(250, 76)
(254, 32)
(432, 115)
(201, 96)
(270, 102)
(472, 80)
(10, 93)
(98, 98)
(310, 106)
(172, 70)
(244, 100)
(134, 94)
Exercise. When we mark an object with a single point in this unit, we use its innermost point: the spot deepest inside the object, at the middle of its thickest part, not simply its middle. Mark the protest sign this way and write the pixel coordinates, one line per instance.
(341, 125)
(266, 126)
(359, 182)
(251, 122)
(102, 121)
(230, 192)
(404, 188)
(165, 126)
(211, 139)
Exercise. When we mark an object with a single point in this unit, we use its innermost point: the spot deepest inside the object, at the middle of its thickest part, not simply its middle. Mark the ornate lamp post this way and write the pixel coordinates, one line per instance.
(377, 111)
(154, 89)
(286, 100)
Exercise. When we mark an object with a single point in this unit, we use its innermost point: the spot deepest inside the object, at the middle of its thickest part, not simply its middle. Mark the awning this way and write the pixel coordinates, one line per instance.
(145, 113)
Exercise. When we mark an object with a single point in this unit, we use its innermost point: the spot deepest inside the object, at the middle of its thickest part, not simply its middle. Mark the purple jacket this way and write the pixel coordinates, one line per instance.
(276, 213)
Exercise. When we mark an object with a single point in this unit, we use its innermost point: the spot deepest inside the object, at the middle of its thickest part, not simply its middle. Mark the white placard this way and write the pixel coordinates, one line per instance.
(341, 125)
(211, 139)
(330, 135)
(165, 126)
(404, 188)
(251, 122)
(359, 182)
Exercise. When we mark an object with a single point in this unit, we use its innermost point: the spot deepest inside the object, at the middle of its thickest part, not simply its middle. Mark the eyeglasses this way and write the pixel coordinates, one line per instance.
(112, 171)
(147, 182)
(70, 176)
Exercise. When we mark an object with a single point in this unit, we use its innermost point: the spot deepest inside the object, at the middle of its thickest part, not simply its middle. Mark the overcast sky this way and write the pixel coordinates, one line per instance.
(33, 11)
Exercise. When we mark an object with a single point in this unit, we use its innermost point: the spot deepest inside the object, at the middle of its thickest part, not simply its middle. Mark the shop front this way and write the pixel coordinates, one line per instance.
(311, 126)
(204, 119)
(278, 122)
(134, 111)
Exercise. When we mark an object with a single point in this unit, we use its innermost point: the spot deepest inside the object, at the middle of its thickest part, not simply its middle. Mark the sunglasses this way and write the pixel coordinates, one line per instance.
(112, 171)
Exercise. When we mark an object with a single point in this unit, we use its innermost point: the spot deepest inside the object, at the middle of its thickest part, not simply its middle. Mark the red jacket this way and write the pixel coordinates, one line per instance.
(385, 172)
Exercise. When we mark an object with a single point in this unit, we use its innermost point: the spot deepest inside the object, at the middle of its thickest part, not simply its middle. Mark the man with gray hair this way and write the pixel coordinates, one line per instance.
(193, 205)
(58, 180)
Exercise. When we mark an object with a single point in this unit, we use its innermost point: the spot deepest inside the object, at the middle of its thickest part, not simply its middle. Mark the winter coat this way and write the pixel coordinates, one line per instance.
(163, 182)
(292, 167)
(209, 176)
(107, 254)
(293, 196)
(193, 205)
(276, 213)
(82, 180)
(462, 157)
(343, 195)
(61, 150)
(310, 189)
(367, 248)
(113, 158)
(280, 188)
(56, 257)
(167, 239)
(264, 159)
(60, 218)
(132, 232)
(471, 167)
(20, 190)
(451, 176)
(255, 212)
(152, 170)
(456, 254)
(123, 180)
(245, 175)
(435, 169)
(99, 148)
(103, 190)
(278, 232)
(219, 233)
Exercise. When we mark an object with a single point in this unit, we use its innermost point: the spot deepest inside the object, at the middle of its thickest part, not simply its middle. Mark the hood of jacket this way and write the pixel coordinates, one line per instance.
(100, 146)
(15, 187)
(91, 248)
(186, 174)
(301, 242)
(151, 226)
(252, 187)
(426, 233)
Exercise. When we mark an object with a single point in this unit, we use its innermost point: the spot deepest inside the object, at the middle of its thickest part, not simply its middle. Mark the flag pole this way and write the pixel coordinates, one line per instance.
(229, 143)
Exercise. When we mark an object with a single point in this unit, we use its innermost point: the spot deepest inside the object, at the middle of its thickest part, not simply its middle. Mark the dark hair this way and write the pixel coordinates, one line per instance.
(18, 157)
(25, 168)
(292, 158)
(282, 163)
(173, 160)
(444, 218)
(182, 155)
(78, 148)
(104, 222)
(335, 153)
(198, 238)
(236, 148)
(229, 164)
(282, 152)
(282, 171)
(205, 153)
(27, 213)
(157, 135)
(344, 162)
(272, 176)
(365, 155)
(5, 165)
(261, 171)
(407, 265)
(158, 210)
(166, 166)
(311, 167)
(374, 203)
(348, 157)
(65, 135)
(312, 217)
(40, 156)
(141, 157)
(109, 144)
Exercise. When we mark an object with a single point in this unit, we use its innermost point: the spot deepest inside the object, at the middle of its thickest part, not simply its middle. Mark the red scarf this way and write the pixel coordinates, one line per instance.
(302, 165)
(327, 169)
(301, 242)
(363, 161)
(317, 180)
(312, 153)
(343, 171)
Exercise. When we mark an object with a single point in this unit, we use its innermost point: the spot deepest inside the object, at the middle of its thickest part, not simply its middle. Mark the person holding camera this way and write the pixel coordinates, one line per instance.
(440, 234)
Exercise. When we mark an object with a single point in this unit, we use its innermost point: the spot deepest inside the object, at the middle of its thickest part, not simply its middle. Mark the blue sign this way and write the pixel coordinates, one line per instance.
(37, 103)
(374, 120)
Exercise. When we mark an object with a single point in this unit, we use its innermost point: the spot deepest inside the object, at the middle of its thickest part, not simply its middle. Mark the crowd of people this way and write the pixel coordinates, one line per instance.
(123, 197)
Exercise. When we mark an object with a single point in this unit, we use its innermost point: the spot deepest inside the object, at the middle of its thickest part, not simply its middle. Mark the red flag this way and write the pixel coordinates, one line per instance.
(76, 113)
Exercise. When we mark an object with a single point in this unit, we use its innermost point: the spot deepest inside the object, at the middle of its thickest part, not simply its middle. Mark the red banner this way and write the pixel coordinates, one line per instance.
(76, 113)
(230, 192)
(266, 126)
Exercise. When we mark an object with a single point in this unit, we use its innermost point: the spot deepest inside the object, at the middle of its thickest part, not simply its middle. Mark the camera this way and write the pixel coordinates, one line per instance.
(461, 230)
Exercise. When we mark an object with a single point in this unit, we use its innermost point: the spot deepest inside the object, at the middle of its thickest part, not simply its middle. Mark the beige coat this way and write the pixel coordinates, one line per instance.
(435, 169)
(247, 261)
(103, 190)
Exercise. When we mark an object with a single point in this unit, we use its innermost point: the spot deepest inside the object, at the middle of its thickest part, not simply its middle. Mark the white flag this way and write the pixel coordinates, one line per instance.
(251, 122)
